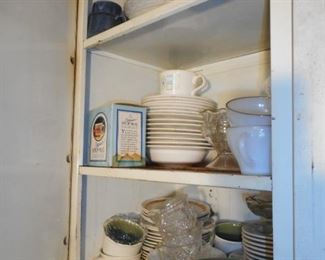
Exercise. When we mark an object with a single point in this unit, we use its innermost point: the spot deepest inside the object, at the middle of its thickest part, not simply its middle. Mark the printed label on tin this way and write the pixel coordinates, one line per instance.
(129, 136)
(98, 138)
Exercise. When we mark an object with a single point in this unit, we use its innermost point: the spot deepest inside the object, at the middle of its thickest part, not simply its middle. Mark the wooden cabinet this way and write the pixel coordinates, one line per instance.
(237, 45)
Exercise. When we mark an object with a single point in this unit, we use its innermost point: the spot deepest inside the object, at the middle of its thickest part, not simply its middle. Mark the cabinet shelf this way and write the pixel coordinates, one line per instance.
(190, 177)
(189, 33)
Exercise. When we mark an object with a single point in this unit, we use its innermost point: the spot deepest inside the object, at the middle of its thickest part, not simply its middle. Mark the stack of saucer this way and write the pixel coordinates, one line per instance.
(258, 240)
(153, 236)
(174, 128)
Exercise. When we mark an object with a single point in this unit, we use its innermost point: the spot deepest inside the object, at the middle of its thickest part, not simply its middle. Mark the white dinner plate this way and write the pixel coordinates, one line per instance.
(176, 147)
(179, 125)
(153, 240)
(183, 143)
(152, 130)
(153, 230)
(174, 134)
(256, 254)
(154, 245)
(258, 229)
(179, 105)
(250, 256)
(151, 246)
(196, 116)
(251, 236)
(147, 248)
(184, 98)
(174, 120)
(174, 138)
(154, 237)
(257, 249)
(259, 241)
(147, 218)
(152, 111)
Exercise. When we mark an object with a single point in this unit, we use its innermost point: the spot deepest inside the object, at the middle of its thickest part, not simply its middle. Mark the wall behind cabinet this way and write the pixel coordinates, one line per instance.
(36, 86)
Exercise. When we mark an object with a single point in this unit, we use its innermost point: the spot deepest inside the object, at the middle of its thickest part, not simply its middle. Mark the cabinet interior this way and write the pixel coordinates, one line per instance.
(111, 78)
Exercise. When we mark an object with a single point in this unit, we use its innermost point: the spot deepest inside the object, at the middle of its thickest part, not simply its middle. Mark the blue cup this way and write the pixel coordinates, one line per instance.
(104, 15)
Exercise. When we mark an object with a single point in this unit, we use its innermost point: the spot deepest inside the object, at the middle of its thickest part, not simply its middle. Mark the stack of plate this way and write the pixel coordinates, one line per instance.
(258, 240)
(153, 237)
(174, 128)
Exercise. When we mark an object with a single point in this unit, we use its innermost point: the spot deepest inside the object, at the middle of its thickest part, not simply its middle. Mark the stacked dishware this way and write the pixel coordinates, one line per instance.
(122, 240)
(174, 125)
(153, 236)
(249, 136)
(258, 240)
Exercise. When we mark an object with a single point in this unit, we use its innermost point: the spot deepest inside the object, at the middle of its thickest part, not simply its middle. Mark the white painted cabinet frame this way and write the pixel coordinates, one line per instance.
(282, 129)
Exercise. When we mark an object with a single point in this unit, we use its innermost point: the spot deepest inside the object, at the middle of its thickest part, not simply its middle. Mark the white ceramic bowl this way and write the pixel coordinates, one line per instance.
(227, 236)
(177, 155)
(115, 248)
(249, 111)
(251, 145)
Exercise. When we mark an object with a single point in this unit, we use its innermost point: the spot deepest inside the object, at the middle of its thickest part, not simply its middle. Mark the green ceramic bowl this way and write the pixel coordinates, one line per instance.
(229, 231)
(124, 231)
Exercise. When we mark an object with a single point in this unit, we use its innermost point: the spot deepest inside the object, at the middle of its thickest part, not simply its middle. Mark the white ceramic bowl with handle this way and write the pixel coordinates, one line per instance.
(249, 111)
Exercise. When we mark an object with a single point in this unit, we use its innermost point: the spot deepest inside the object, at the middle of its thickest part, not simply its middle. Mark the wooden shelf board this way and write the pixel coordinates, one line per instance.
(141, 21)
(190, 176)
(187, 34)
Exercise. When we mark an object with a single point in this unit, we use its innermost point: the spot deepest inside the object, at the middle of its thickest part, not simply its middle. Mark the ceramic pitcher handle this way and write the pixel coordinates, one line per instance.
(200, 88)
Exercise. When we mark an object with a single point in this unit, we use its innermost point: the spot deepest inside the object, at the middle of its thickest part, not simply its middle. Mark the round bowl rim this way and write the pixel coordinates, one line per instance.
(107, 221)
(245, 113)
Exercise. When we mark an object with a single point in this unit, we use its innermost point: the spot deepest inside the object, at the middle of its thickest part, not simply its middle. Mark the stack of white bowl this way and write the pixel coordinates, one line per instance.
(153, 236)
(258, 240)
(174, 128)
(249, 136)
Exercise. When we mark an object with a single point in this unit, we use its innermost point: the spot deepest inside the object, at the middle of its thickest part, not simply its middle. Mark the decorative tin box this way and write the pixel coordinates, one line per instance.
(116, 136)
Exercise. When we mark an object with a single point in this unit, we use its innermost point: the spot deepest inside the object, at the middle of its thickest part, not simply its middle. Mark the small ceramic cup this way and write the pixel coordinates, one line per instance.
(182, 83)
(251, 145)
(122, 237)
(228, 236)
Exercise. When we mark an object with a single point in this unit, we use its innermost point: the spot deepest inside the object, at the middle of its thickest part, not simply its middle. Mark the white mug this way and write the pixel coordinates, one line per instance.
(181, 83)
(251, 145)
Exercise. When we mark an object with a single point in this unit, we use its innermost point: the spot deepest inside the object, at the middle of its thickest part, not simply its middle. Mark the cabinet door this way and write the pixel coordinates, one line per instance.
(36, 87)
